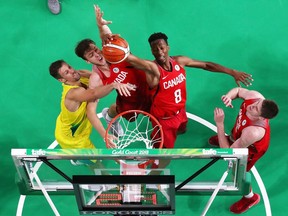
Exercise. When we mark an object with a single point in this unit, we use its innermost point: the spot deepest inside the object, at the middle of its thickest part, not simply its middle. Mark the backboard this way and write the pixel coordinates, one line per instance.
(185, 172)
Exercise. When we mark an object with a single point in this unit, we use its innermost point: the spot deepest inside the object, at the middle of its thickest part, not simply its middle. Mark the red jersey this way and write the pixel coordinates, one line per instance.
(125, 73)
(257, 149)
(170, 95)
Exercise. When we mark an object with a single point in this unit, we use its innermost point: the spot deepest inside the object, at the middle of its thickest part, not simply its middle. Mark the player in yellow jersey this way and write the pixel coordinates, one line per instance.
(73, 128)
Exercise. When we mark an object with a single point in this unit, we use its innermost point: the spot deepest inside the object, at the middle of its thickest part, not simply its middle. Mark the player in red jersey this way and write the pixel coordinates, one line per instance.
(166, 75)
(104, 73)
(251, 130)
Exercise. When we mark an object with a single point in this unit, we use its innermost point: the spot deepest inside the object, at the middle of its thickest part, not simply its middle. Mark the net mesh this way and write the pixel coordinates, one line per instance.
(139, 130)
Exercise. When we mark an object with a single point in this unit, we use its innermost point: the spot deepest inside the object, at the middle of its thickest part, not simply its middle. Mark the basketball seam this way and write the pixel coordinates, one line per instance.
(125, 50)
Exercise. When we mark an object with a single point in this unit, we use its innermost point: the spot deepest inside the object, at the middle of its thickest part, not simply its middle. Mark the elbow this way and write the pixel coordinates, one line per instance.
(210, 66)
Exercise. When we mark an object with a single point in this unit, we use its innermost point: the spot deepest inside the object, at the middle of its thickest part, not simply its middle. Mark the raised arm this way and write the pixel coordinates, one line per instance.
(245, 78)
(219, 120)
(149, 67)
(249, 135)
(239, 93)
(102, 24)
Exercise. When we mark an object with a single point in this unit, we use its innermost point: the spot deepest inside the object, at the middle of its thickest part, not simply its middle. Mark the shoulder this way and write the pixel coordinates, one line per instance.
(74, 91)
(95, 80)
(189, 62)
(94, 75)
(180, 59)
(253, 133)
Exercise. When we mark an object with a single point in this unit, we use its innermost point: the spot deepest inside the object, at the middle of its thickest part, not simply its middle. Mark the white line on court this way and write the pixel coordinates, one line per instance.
(199, 120)
(263, 191)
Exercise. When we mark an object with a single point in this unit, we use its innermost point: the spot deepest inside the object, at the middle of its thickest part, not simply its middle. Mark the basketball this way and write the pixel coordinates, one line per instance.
(116, 50)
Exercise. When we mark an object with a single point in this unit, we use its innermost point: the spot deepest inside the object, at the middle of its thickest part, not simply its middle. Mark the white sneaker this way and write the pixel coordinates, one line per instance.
(76, 162)
(54, 6)
(104, 114)
(116, 129)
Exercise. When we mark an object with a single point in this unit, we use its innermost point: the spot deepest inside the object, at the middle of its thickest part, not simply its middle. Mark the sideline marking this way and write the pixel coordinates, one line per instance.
(192, 117)
(263, 191)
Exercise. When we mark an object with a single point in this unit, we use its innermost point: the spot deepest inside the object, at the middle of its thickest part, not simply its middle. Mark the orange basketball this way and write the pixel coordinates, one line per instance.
(116, 50)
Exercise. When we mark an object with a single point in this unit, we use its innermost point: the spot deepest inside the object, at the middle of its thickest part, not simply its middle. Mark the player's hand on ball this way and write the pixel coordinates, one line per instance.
(107, 38)
(115, 49)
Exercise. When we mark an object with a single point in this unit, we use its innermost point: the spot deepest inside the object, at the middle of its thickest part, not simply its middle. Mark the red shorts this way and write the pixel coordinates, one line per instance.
(172, 126)
(253, 158)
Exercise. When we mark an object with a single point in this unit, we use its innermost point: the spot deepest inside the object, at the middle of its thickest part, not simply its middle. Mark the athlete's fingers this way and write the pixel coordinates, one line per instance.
(125, 90)
(131, 87)
(111, 143)
(238, 83)
(224, 99)
(218, 115)
(227, 101)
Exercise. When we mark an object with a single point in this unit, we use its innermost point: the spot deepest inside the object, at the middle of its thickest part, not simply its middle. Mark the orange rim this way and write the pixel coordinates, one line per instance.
(142, 164)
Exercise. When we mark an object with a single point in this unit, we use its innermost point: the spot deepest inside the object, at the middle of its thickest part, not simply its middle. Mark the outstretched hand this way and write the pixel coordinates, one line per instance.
(110, 141)
(227, 101)
(99, 16)
(243, 77)
(124, 89)
(219, 115)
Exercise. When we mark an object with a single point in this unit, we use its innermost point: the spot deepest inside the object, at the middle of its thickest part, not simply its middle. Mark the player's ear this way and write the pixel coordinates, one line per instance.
(261, 118)
(62, 80)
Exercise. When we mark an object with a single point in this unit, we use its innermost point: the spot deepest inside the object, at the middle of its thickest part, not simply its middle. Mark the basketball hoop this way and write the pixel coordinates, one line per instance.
(140, 130)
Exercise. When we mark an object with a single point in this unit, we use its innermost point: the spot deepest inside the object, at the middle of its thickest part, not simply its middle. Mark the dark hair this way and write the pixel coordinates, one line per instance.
(82, 47)
(54, 68)
(269, 109)
(157, 36)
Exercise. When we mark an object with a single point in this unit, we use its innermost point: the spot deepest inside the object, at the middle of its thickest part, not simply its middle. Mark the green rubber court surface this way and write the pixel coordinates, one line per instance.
(249, 36)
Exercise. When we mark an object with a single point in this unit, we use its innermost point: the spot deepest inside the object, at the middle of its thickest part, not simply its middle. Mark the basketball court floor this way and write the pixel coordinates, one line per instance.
(249, 36)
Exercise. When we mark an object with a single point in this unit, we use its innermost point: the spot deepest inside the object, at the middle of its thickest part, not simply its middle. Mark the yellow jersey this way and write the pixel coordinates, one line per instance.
(73, 129)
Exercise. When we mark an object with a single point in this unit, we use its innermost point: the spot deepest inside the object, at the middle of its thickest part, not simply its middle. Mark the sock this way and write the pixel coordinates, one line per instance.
(156, 162)
(250, 195)
(108, 117)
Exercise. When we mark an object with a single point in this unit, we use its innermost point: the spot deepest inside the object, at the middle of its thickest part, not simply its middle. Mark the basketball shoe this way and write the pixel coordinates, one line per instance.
(82, 162)
(76, 162)
(54, 6)
(214, 140)
(115, 129)
(244, 204)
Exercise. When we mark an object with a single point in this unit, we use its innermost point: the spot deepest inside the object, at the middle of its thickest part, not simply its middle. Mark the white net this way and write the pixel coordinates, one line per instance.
(134, 129)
